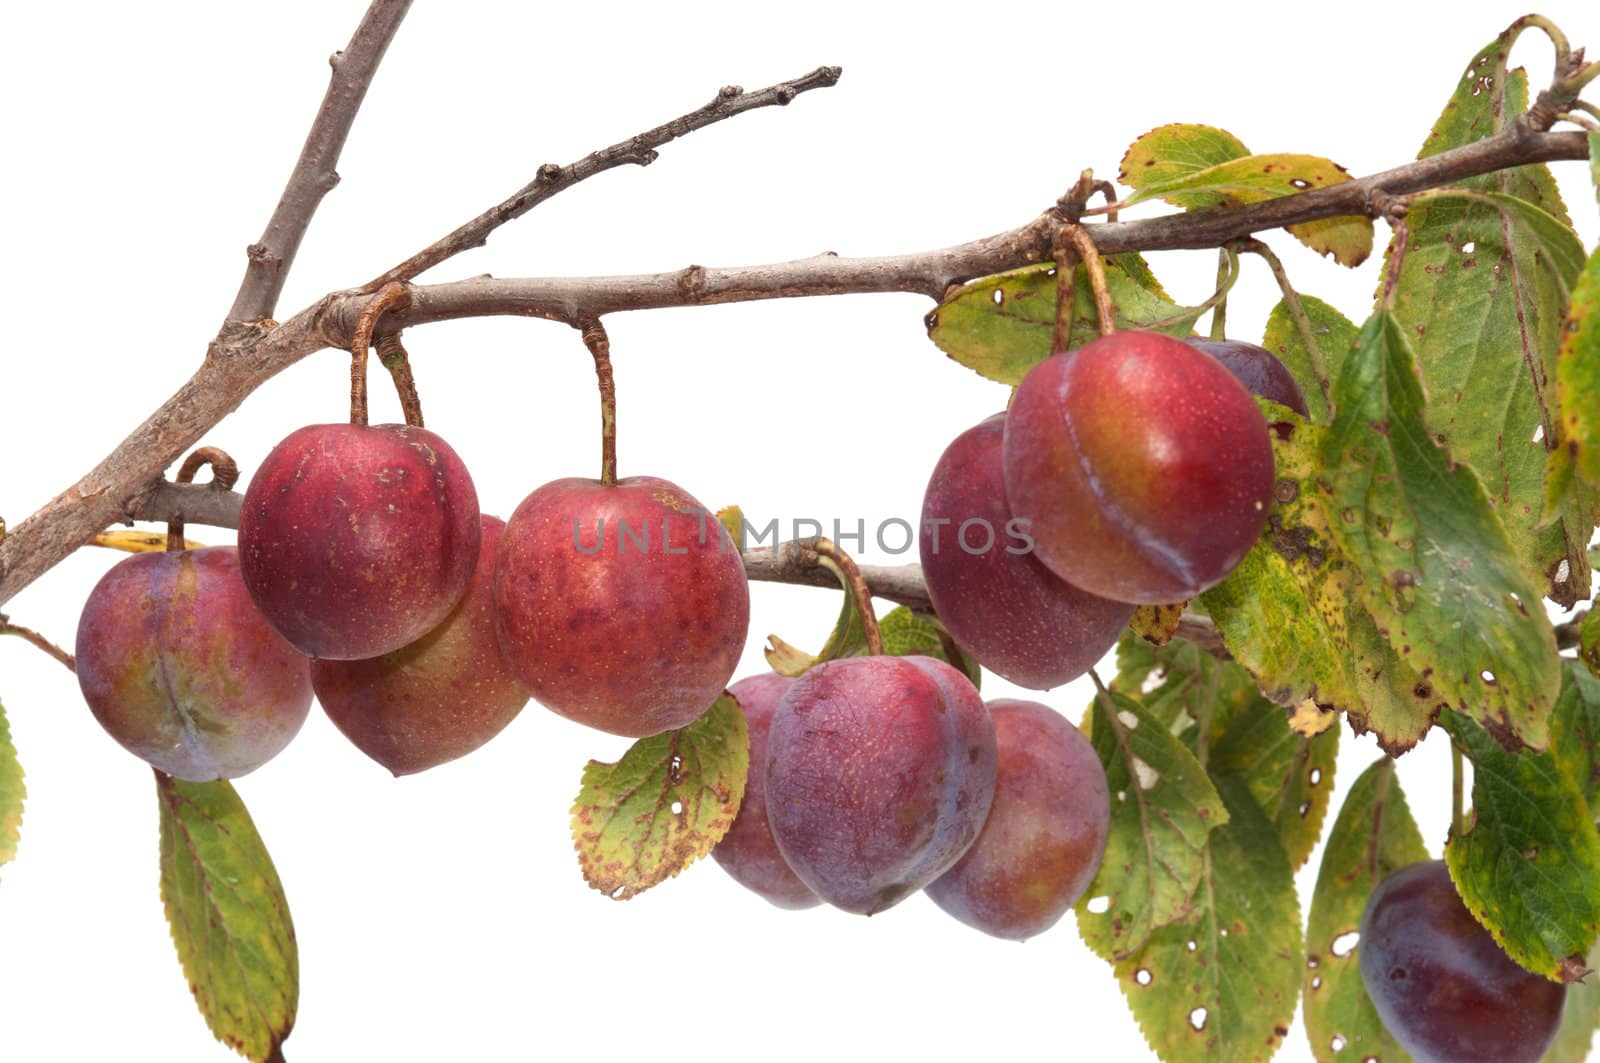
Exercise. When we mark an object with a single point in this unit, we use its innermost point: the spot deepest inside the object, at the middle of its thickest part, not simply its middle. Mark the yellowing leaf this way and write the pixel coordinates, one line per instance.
(1578, 378)
(138, 542)
(664, 805)
(1170, 152)
(229, 917)
(12, 793)
(1156, 624)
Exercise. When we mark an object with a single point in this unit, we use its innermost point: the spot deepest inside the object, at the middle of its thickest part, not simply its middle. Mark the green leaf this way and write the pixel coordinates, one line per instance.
(12, 793)
(1287, 613)
(1594, 161)
(1578, 378)
(1222, 983)
(1589, 640)
(905, 632)
(1195, 167)
(1002, 326)
(1579, 1020)
(848, 638)
(1437, 573)
(1373, 837)
(229, 917)
(1335, 336)
(664, 805)
(1162, 808)
(1528, 864)
(1289, 776)
(1575, 730)
(1181, 684)
(1481, 296)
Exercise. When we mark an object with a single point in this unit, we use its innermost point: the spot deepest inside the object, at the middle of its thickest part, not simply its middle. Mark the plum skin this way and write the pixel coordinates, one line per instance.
(605, 629)
(1006, 609)
(1441, 984)
(435, 699)
(1143, 467)
(748, 852)
(1260, 371)
(357, 540)
(178, 666)
(879, 774)
(1046, 832)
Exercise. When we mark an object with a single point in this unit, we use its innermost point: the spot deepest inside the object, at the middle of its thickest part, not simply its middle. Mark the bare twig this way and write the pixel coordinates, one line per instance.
(314, 174)
(638, 150)
(118, 487)
(30, 635)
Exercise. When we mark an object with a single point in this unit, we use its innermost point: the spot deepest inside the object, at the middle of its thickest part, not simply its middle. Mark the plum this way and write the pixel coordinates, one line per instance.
(357, 540)
(622, 606)
(178, 665)
(436, 699)
(999, 602)
(880, 771)
(748, 851)
(1442, 986)
(1258, 369)
(1142, 467)
(1046, 832)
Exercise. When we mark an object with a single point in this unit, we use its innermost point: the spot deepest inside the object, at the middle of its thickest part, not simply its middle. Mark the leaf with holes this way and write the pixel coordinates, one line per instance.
(229, 917)
(1528, 864)
(664, 805)
(1290, 776)
(1002, 326)
(1373, 836)
(1575, 730)
(905, 632)
(1436, 571)
(1181, 684)
(1578, 390)
(12, 793)
(1162, 809)
(1222, 983)
(1481, 296)
(848, 638)
(1196, 167)
(1334, 336)
(1579, 1020)
(1287, 613)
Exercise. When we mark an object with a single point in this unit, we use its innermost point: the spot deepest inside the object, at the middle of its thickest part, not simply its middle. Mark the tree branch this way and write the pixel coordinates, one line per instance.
(638, 150)
(314, 175)
(117, 488)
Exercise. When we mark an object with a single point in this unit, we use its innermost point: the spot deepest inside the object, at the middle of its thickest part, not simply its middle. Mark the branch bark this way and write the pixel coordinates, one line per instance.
(117, 488)
(314, 175)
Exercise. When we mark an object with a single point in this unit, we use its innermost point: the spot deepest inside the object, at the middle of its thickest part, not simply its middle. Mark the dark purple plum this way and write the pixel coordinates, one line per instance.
(1442, 986)
(1258, 369)
(880, 772)
(999, 602)
(357, 540)
(178, 665)
(621, 606)
(1046, 832)
(748, 851)
(1142, 467)
(436, 699)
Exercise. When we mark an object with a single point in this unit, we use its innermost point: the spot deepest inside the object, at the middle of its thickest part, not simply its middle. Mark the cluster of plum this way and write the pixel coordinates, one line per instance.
(366, 574)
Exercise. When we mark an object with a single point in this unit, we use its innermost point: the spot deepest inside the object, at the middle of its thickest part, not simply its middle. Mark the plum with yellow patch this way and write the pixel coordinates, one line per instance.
(621, 606)
(357, 540)
(879, 774)
(436, 699)
(180, 668)
(1142, 466)
(1046, 832)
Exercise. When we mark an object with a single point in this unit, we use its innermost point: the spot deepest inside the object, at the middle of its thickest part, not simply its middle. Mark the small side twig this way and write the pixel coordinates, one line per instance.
(32, 636)
(638, 150)
(315, 174)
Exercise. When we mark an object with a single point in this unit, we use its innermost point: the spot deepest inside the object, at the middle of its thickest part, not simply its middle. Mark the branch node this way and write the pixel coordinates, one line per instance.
(728, 92)
(548, 172)
(691, 283)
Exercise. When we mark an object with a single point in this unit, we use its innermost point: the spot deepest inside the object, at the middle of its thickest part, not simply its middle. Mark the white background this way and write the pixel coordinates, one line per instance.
(443, 916)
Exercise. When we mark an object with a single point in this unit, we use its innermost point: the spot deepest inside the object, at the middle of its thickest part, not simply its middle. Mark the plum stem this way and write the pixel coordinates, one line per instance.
(1219, 313)
(224, 474)
(1297, 314)
(1089, 254)
(856, 584)
(392, 353)
(599, 344)
(1457, 796)
(391, 295)
(32, 636)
